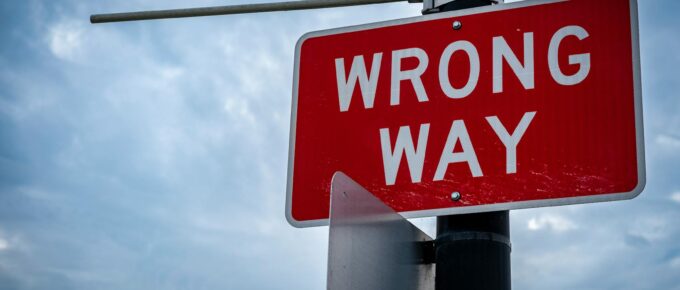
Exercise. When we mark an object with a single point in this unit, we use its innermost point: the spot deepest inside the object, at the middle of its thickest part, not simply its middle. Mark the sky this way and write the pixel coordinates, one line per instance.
(153, 155)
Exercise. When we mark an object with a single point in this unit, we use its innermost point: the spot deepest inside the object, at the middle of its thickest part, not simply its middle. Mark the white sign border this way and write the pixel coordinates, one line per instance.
(639, 127)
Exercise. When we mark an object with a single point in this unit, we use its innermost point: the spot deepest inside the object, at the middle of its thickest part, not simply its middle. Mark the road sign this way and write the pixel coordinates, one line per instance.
(370, 246)
(529, 104)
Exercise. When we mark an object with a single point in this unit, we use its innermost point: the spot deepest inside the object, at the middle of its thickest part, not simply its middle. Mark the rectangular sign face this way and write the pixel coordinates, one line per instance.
(529, 104)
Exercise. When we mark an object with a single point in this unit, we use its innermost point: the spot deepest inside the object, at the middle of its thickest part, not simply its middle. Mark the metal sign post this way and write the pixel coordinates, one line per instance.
(472, 251)
(371, 247)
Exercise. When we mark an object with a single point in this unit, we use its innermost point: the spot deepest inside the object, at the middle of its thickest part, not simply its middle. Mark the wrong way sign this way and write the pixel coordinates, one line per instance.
(529, 104)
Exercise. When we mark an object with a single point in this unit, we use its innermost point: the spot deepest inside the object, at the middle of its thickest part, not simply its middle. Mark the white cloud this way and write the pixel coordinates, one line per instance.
(667, 141)
(171, 73)
(675, 263)
(676, 196)
(238, 108)
(65, 40)
(551, 222)
(651, 229)
(4, 244)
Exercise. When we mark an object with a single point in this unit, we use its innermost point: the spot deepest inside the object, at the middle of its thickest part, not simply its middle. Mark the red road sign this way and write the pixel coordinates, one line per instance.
(520, 105)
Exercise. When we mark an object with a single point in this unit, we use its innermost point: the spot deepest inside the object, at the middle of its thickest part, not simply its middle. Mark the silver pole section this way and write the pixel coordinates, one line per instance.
(232, 9)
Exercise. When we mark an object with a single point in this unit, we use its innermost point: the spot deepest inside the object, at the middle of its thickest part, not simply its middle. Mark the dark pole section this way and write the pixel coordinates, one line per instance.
(464, 4)
(472, 251)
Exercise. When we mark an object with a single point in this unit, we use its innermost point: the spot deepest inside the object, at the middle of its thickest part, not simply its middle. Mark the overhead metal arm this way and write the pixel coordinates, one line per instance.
(233, 9)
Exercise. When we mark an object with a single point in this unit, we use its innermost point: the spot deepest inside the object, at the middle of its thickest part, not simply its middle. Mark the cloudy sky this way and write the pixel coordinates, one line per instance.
(153, 155)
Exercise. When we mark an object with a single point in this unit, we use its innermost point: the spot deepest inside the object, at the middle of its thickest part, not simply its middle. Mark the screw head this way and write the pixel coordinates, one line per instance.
(457, 25)
(455, 196)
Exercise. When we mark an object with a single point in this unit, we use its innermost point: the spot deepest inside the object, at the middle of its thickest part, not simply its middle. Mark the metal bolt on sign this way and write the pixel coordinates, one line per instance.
(455, 196)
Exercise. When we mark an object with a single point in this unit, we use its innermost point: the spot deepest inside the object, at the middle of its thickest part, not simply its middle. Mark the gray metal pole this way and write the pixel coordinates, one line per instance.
(233, 9)
(472, 251)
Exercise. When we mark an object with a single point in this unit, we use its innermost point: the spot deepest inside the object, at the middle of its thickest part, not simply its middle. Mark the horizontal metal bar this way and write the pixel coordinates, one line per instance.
(232, 9)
